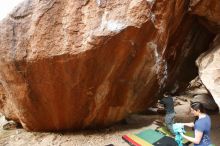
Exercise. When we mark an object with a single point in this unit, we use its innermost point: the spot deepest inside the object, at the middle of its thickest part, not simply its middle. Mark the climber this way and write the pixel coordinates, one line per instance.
(201, 126)
(168, 103)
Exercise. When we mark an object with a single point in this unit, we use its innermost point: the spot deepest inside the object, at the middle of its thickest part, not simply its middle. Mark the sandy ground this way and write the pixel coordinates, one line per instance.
(111, 135)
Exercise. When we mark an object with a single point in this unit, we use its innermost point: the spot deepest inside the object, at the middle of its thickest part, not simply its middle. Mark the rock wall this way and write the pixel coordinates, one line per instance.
(209, 69)
(209, 13)
(77, 64)
(210, 10)
(184, 47)
(208, 62)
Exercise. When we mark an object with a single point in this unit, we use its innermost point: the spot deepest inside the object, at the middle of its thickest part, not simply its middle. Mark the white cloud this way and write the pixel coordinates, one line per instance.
(6, 6)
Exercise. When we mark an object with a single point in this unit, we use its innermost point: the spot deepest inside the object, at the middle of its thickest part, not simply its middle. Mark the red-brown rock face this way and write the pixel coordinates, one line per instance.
(210, 9)
(209, 12)
(74, 64)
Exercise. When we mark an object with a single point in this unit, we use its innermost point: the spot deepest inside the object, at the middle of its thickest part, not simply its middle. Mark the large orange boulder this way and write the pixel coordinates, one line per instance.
(68, 64)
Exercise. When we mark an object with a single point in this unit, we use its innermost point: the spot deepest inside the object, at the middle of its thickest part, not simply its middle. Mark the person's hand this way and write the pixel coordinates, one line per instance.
(180, 124)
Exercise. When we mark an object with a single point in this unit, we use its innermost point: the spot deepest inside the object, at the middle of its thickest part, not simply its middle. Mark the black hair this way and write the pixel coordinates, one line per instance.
(166, 93)
(198, 106)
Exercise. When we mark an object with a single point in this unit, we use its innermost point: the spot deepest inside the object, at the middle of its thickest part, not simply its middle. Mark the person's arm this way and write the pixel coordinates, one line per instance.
(196, 139)
(161, 101)
(188, 124)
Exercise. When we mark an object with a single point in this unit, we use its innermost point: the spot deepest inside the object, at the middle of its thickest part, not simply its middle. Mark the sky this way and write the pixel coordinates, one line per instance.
(6, 6)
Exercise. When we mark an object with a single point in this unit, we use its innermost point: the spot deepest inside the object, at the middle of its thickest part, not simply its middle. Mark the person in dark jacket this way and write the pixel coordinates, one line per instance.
(168, 103)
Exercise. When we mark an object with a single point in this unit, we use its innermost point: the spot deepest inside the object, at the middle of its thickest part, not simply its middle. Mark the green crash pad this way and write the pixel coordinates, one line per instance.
(150, 135)
(166, 132)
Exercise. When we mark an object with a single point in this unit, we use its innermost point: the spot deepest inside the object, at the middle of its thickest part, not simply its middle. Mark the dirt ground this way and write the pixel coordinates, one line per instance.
(111, 135)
